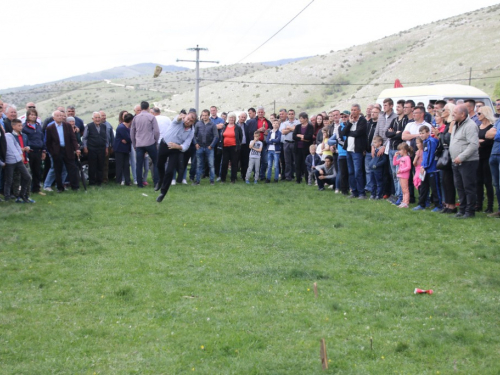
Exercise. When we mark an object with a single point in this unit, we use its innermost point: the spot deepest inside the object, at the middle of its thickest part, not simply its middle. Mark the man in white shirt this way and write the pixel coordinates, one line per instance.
(286, 128)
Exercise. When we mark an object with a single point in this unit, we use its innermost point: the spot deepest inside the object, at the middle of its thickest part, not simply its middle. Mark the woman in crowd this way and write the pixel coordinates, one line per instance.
(231, 137)
(303, 136)
(122, 147)
(121, 115)
(445, 118)
(317, 128)
(484, 180)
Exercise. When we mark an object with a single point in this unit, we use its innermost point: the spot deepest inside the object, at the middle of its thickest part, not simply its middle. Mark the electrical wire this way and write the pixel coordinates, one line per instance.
(276, 33)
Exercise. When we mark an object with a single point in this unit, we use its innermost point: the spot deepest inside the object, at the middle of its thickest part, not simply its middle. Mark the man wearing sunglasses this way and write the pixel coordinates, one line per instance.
(497, 107)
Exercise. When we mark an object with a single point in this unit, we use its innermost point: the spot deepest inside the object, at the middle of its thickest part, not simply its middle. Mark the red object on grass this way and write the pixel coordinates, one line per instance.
(397, 84)
(422, 291)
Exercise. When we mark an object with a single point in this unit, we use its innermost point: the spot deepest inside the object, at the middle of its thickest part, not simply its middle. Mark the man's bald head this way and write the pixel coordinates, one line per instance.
(460, 112)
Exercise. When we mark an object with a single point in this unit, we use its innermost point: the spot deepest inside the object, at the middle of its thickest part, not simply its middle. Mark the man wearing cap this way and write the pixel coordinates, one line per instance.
(144, 133)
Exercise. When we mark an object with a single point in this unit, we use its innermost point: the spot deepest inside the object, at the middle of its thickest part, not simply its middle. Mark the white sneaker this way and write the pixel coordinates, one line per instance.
(184, 182)
(123, 183)
(48, 189)
(330, 187)
(135, 182)
(336, 191)
(173, 182)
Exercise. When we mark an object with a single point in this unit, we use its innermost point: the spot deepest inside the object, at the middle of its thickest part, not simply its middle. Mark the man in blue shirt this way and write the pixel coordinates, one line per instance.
(175, 142)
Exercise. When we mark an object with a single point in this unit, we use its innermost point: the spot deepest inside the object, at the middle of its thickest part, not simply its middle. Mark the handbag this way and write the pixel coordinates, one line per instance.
(444, 160)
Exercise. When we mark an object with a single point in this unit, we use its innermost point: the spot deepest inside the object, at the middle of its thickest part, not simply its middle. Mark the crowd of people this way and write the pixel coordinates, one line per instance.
(403, 152)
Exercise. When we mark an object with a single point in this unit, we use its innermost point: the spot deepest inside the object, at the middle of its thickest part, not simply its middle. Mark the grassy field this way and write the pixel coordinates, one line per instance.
(219, 280)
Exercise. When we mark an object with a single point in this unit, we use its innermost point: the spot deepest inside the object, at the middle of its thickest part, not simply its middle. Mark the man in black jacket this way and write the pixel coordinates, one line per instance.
(355, 145)
(95, 144)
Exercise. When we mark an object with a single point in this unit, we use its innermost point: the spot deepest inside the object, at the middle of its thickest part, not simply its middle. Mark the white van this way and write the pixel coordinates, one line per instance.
(432, 93)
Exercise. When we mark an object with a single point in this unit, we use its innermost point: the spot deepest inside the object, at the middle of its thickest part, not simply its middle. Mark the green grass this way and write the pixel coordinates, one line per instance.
(219, 280)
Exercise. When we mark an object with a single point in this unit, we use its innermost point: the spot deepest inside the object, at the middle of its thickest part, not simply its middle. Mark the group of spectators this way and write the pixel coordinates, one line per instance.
(381, 153)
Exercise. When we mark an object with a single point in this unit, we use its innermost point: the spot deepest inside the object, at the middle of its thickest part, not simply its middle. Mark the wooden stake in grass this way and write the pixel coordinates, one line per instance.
(323, 355)
(315, 286)
(371, 343)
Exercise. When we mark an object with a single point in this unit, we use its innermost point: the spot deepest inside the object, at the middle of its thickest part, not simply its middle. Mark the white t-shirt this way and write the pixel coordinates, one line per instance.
(271, 146)
(163, 124)
(413, 128)
(351, 140)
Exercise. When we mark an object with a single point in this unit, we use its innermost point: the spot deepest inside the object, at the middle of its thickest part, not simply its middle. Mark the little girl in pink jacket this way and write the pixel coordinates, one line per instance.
(402, 159)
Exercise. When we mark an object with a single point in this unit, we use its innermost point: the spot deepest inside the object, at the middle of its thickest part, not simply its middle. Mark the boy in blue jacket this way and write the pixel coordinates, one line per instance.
(431, 179)
(312, 160)
(377, 169)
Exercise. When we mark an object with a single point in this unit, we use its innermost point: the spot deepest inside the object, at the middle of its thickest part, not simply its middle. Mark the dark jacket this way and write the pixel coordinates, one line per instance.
(276, 141)
(52, 141)
(370, 132)
(309, 161)
(7, 124)
(377, 162)
(252, 126)
(238, 134)
(122, 133)
(206, 135)
(308, 137)
(3, 145)
(35, 136)
(80, 125)
(96, 140)
(429, 156)
(360, 137)
(395, 137)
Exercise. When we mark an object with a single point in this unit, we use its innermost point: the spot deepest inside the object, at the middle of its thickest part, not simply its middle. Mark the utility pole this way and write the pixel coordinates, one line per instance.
(197, 61)
(470, 75)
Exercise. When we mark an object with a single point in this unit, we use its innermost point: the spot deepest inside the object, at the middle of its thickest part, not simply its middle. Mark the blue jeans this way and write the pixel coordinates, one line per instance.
(355, 168)
(203, 154)
(263, 163)
(140, 153)
(368, 172)
(495, 174)
(397, 186)
(273, 156)
(51, 176)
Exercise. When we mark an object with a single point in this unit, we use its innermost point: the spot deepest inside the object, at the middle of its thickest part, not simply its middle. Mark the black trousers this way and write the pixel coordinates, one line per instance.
(300, 163)
(59, 161)
(449, 186)
(47, 164)
(431, 181)
(174, 159)
(282, 163)
(217, 161)
(244, 155)
(388, 182)
(465, 181)
(96, 159)
(484, 180)
(344, 175)
(9, 174)
(229, 154)
(36, 170)
(122, 167)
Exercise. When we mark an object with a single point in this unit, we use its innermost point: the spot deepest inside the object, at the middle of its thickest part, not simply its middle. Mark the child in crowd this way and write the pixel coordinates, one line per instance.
(431, 175)
(377, 169)
(325, 148)
(312, 160)
(402, 159)
(14, 161)
(417, 161)
(254, 159)
(273, 141)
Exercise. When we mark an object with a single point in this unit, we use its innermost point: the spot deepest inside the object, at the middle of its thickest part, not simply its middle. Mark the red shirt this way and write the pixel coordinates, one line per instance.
(261, 122)
(229, 137)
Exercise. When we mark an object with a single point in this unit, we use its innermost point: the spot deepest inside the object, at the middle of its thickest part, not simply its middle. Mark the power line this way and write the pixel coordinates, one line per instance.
(342, 84)
(276, 33)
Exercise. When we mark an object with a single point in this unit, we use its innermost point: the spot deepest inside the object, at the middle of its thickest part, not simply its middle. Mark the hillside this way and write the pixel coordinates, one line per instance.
(440, 51)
